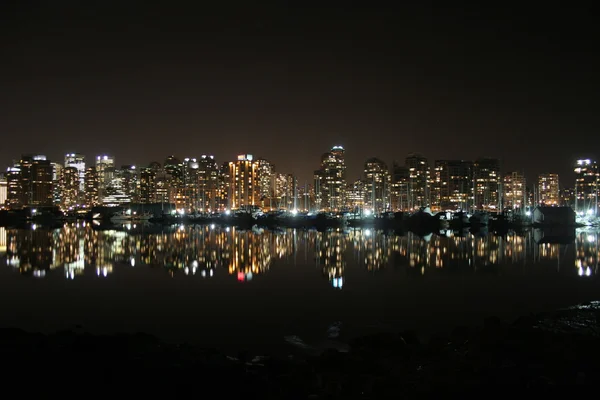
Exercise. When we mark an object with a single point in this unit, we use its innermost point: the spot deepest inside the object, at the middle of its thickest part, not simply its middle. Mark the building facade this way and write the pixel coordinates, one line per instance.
(486, 184)
(514, 191)
(548, 189)
(330, 180)
(419, 181)
(377, 185)
(452, 185)
(586, 185)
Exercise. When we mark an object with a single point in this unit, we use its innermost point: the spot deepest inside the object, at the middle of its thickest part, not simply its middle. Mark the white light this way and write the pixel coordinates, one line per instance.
(590, 238)
(367, 213)
(294, 212)
(528, 213)
(227, 229)
(212, 226)
(588, 271)
(203, 273)
(227, 212)
(132, 262)
(367, 232)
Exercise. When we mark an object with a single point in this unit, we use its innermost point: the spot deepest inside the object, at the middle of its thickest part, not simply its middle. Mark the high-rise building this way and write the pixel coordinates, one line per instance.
(129, 182)
(586, 185)
(147, 185)
(70, 188)
(56, 183)
(400, 187)
(452, 185)
(548, 189)
(419, 180)
(356, 195)
(377, 185)
(92, 184)
(514, 191)
(14, 196)
(77, 161)
(208, 175)
(29, 183)
(486, 182)
(243, 182)
(105, 168)
(285, 191)
(3, 190)
(330, 180)
(265, 172)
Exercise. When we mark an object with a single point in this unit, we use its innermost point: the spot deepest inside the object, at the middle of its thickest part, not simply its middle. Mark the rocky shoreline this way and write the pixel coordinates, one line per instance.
(560, 348)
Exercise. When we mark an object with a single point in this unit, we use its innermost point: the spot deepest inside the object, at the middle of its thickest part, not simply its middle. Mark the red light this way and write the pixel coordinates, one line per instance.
(241, 276)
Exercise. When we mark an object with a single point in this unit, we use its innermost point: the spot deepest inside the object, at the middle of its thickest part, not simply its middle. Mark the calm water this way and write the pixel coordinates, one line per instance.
(232, 288)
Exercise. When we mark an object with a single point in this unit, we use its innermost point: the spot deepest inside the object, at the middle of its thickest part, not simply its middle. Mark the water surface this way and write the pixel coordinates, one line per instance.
(236, 288)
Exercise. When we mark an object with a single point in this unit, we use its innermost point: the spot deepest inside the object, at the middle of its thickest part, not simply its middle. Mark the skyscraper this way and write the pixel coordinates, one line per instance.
(486, 182)
(105, 167)
(586, 186)
(514, 190)
(419, 182)
(452, 185)
(14, 195)
(91, 187)
(70, 188)
(147, 185)
(208, 174)
(548, 189)
(400, 187)
(330, 180)
(77, 161)
(265, 172)
(3, 190)
(243, 182)
(377, 185)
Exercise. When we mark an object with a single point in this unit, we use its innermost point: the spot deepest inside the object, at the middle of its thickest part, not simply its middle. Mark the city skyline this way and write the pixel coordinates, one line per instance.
(285, 82)
(355, 171)
(205, 184)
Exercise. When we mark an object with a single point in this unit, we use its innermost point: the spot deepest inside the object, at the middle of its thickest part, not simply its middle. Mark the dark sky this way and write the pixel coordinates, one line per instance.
(148, 79)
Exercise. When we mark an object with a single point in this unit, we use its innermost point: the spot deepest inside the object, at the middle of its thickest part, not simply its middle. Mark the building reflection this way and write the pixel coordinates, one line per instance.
(206, 251)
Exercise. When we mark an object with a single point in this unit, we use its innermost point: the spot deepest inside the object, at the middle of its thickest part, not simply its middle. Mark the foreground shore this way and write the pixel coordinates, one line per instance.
(532, 352)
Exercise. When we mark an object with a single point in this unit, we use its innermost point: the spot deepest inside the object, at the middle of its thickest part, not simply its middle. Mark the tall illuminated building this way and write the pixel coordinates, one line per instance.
(586, 186)
(265, 172)
(548, 189)
(513, 191)
(452, 185)
(330, 180)
(3, 190)
(105, 167)
(419, 182)
(29, 183)
(377, 185)
(147, 185)
(14, 195)
(56, 182)
(208, 175)
(285, 191)
(243, 187)
(400, 187)
(356, 195)
(70, 188)
(91, 187)
(77, 161)
(486, 184)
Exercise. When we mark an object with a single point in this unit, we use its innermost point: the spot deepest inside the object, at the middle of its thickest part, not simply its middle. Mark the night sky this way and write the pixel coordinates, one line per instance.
(145, 80)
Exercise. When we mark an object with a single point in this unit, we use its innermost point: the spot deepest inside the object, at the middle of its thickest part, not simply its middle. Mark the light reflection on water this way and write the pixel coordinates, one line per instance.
(209, 283)
(76, 249)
